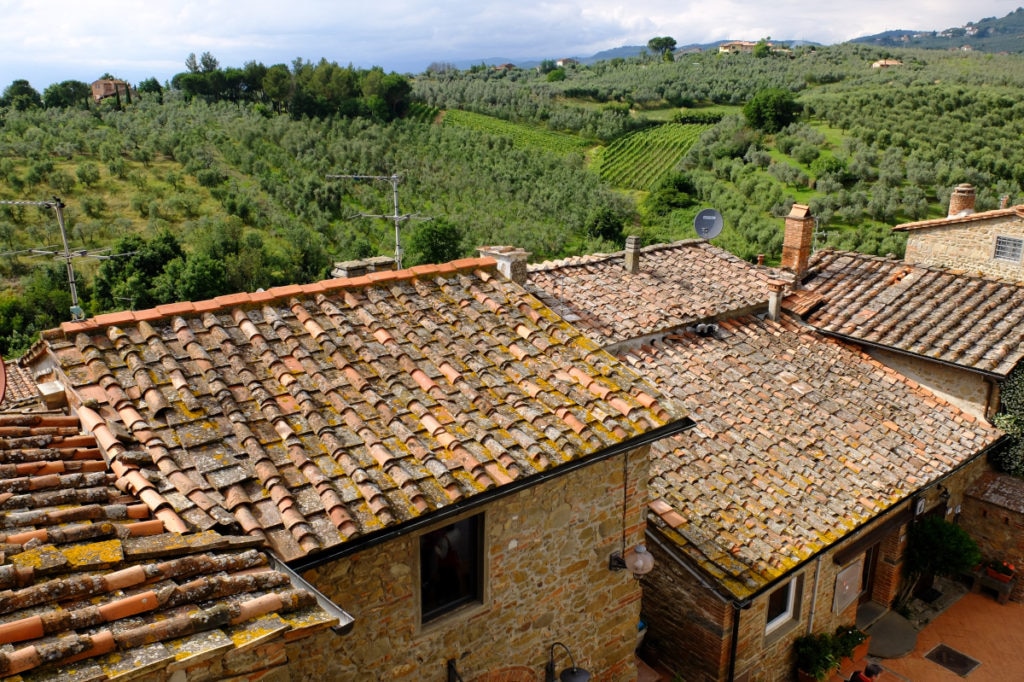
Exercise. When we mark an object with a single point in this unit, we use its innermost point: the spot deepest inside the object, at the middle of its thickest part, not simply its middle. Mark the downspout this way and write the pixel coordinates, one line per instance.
(814, 595)
(737, 608)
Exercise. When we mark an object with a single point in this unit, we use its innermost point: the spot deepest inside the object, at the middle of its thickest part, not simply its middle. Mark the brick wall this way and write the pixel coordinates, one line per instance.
(966, 246)
(997, 525)
(547, 580)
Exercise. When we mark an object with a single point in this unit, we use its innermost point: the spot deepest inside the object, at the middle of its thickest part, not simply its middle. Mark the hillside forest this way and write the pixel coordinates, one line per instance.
(227, 179)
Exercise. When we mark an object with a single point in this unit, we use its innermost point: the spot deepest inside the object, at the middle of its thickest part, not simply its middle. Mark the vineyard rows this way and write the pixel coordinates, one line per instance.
(522, 135)
(639, 160)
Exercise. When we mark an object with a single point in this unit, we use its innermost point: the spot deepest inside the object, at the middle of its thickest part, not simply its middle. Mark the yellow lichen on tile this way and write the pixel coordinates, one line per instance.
(103, 553)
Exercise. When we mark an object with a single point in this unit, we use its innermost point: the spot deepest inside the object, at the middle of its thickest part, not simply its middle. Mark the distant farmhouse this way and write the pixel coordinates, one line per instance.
(109, 87)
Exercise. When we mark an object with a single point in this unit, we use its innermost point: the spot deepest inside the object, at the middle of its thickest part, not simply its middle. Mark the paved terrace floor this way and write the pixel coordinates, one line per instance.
(972, 624)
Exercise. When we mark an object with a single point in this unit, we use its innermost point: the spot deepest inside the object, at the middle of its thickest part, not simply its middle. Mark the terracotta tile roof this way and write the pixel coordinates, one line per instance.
(945, 315)
(19, 388)
(88, 577)
(961, 219)
(799, 440)
(312, 415)
(678, 284)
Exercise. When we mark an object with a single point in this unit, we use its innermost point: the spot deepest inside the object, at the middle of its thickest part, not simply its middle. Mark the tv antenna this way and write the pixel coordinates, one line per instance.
(77, 314)
(394, 179)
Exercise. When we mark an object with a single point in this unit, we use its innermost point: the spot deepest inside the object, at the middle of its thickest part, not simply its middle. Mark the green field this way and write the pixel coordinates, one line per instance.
(639, 160)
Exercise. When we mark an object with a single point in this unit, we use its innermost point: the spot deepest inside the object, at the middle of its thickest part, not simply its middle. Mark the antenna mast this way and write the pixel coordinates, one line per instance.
(394, 179)
(77, 314)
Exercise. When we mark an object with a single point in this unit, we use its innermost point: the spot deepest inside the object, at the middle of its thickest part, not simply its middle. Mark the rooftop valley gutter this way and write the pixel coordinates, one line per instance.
(353, 546)
(739, 604)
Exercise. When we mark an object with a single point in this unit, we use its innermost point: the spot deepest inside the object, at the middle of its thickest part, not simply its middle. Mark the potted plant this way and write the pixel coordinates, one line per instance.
(936, 547)
(815, 656)
(1000, 570)
(851, 642)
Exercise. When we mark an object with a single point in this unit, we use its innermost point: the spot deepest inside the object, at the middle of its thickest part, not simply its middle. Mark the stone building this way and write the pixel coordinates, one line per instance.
(988, 244)
(109, 87)
(432, 449)
(960, 332)
(785, 509)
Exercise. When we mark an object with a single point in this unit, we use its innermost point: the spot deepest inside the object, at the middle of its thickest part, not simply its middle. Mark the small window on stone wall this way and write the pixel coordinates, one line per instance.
(783, 606)
(1009, 249)
(451, 567)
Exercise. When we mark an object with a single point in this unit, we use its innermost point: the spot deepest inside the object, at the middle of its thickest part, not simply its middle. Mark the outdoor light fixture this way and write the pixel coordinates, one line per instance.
(571, 674)
(637, 560)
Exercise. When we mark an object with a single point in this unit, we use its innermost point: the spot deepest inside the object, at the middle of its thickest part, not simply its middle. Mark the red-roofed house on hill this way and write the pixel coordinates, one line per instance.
(785, 509)
(433, 448)
(109, 87)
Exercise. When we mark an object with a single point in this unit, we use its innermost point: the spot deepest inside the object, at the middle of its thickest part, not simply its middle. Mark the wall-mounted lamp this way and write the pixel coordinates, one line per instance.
(943, 493)
(636, 560)
(571, 674)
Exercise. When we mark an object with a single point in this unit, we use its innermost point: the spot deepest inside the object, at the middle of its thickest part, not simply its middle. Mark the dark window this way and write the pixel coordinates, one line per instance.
(781, 606)
(1009, 248)
(450, 567)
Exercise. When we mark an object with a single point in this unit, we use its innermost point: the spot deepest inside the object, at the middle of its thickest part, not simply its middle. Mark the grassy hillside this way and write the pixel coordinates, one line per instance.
(212, 197)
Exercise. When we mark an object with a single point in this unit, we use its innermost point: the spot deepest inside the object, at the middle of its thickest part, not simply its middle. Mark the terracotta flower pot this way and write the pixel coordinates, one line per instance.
(993, 573)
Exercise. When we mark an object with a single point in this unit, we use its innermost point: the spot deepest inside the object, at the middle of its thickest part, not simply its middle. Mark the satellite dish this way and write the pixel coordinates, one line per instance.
(708, 223)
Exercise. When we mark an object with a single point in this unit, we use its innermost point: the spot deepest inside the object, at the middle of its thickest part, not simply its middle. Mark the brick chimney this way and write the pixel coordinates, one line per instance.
(511, 261)
(796, 242)
(632, 258)
(961, 202)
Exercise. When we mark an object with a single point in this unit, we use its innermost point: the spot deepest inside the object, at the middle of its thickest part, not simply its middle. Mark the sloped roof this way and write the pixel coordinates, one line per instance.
(678, 284)
(800, 439)
(312, 415)
(19, 387)
(88, 576)
(972, 322)
(962, 219)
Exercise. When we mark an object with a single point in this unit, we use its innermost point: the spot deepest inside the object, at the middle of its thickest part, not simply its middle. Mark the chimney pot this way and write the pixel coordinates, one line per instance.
(632, 259)
(961, 202)
(511, 261)
(760, 259)
(775, 289)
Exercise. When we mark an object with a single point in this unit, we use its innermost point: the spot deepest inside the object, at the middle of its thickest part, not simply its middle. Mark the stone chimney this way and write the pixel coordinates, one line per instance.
(775, 289)
(632, 259)
(796, 242)
(358, 268)
(1004, 201)
(961, 202)
(511, 261)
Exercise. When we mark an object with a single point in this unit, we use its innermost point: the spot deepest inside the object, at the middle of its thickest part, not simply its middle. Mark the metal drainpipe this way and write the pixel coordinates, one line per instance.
(737, 608)
(814, 595)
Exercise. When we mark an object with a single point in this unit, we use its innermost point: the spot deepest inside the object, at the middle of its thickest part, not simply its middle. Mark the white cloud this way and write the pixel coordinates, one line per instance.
(50, 41)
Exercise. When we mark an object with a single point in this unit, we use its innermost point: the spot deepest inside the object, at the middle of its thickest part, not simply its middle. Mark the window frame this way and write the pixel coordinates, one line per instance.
(791, 613)
(470, 599)
(1008, 249)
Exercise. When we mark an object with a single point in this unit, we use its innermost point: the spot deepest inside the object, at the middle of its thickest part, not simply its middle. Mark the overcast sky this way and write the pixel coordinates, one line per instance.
(48, 41)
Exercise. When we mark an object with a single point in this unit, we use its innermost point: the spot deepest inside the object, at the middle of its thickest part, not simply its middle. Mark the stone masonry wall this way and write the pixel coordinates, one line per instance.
(688, 625)
(998, 528)
(969, 391)
(547, 580)
(966, 246)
